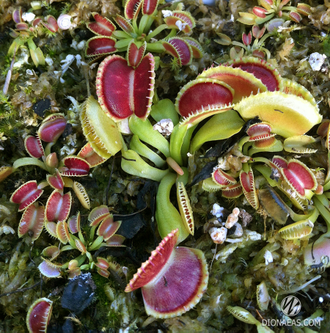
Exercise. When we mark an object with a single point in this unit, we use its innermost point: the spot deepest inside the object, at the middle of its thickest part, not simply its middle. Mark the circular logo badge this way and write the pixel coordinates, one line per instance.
(291, 306)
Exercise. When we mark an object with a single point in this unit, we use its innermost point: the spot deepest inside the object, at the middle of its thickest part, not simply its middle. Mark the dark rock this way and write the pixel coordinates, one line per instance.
(132, 223)
(41, 107)
(67, 130)
(230, 29)
(79, 293)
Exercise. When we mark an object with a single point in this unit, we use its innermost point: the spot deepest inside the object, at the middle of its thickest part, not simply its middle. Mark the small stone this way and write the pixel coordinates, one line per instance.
(252, 235)
(245, 217)
(28, 17)
(164, 127)
(79, 293)
(232, 218)
(67, 130)
(316, 60)
(238, 230)
(167, 13)
(218, 235)
(81, 45)
(42, 106)
(268, 257)
(217, 210)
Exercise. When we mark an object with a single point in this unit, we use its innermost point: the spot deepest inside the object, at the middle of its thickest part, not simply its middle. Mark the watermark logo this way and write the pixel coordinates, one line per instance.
(291, 306)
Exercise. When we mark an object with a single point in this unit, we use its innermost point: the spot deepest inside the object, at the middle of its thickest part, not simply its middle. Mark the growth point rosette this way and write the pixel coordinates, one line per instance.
(172, 280)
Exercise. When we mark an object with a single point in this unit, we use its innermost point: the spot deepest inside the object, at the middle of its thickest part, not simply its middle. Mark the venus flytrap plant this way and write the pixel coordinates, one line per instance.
(135, 86)
(172, 280)
(100, 130)
(215, 90)
(277, 109)
(167, 215)
(246, 47)
(174, 153)
(138, 35)
(299, 144)
(26, 31)
(299, 229)
(246, 317)
(211, 94)
(299, 201)
(101, 233)
(246, 178)
(58, 205)
(259, 139)
(39, 315)
(294, 178)
(272, 9)
(316, 254)
(218, 93)
(269, 97)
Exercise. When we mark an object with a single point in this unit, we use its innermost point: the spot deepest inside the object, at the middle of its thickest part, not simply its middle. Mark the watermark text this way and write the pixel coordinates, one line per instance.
(291, 322)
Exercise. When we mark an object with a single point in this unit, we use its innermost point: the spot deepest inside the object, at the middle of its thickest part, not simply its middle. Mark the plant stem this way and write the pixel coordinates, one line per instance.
(28, 161)
(323, 211)
(158, 30)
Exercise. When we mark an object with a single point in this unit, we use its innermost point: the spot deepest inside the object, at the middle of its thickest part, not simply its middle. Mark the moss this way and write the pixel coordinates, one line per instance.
(326, 46)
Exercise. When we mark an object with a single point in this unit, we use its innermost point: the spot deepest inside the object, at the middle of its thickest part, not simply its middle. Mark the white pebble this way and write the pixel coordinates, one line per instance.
(218, 235)
(268, 257)
(316, 60)
(28, 17)
(217, 210)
